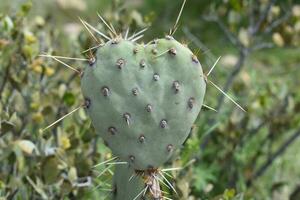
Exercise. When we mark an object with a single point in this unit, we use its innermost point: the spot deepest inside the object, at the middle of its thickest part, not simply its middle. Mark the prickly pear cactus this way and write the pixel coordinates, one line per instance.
(143, 99)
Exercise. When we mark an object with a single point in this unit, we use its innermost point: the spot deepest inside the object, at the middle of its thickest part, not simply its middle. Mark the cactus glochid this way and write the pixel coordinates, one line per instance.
(143, 100)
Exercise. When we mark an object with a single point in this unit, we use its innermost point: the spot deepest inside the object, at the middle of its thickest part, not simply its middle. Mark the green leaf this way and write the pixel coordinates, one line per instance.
(6, 127)
(69, 98)
(50, 170)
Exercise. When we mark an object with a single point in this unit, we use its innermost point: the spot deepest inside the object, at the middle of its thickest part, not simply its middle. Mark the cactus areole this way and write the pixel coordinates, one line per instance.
(143, 99)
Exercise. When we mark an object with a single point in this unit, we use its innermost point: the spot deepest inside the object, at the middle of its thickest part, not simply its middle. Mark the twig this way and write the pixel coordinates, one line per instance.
(283, 103)
(278, 22)
(263, 45)
(274, 156)
(262, 17)
(237, 68)
(231, 37)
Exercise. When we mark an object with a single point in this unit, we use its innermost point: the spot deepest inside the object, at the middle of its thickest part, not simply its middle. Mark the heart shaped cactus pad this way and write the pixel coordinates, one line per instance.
(143, 99)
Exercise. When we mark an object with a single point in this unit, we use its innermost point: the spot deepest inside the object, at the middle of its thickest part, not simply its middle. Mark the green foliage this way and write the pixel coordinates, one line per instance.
(231, 164)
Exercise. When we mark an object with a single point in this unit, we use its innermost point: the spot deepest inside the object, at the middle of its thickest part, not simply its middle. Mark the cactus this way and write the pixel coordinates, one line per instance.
(143, 99)
(125, 186)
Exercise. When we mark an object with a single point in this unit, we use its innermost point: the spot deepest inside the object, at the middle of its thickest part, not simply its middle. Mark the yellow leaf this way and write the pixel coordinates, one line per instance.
(275, 10)
(72, 4)
(37, 117)
(244, 37)
(34, 105)
(278, 39)
(26, 146)
(65, 142)
(29, 37)
(39, 20)
(72, 174)
(296, 10)
(49, 71)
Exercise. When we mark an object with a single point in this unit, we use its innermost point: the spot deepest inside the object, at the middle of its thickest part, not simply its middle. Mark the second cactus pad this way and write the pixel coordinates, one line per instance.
(143, 99)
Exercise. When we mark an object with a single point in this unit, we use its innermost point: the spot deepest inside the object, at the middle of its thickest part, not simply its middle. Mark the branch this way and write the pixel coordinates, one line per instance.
(274, 156)
(262, 17)
(277, 22)
(261, 46)
(239, 65)
(230, 36)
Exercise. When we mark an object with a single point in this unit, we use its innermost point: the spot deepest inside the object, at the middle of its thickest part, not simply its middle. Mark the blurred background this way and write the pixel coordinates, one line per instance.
(229, 155)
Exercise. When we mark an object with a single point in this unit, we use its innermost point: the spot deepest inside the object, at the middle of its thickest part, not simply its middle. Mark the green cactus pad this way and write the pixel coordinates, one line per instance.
(144, 99)
(126, 184)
